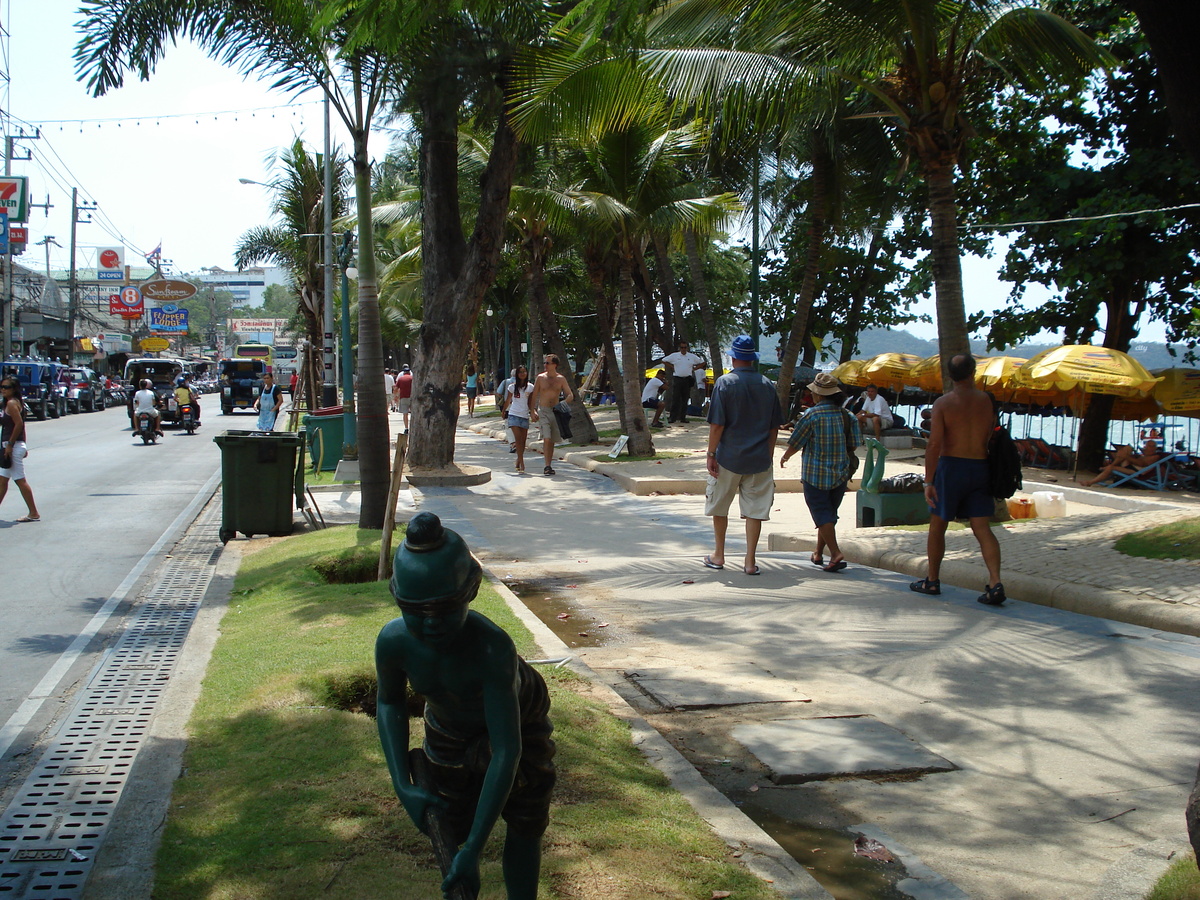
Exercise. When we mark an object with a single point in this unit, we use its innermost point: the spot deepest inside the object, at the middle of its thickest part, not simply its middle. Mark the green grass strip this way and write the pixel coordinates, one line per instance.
(284, 795)
(1175, 540)
(1180, 882)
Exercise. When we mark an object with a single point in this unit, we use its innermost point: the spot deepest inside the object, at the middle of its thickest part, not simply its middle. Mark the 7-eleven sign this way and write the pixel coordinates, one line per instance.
(14, 197)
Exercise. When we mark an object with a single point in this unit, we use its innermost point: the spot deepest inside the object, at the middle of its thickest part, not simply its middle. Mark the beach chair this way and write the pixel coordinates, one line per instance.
(1046, 456)
(1163, 475)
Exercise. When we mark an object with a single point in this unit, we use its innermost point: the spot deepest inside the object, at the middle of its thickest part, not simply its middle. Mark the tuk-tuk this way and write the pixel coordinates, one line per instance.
(240, 380)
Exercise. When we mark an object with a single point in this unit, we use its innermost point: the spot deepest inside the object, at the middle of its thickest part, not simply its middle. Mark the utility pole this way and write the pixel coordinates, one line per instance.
(47, 241)
(6, 314)
(76, 209)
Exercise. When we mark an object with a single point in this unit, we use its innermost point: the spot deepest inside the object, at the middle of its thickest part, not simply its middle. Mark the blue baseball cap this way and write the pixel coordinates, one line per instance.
(743, 348)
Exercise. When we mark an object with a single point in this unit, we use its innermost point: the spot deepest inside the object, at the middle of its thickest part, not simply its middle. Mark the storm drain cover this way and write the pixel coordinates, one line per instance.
(799, 750)
(52, 829)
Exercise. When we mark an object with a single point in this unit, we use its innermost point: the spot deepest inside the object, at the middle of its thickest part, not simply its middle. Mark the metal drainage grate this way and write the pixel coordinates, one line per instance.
(52, 830)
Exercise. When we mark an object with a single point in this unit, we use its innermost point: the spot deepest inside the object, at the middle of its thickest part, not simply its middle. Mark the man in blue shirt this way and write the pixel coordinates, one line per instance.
(743, 421)
(827, 434)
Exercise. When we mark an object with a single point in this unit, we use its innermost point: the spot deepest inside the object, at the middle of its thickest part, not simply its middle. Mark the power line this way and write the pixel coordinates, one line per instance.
(1115, 215)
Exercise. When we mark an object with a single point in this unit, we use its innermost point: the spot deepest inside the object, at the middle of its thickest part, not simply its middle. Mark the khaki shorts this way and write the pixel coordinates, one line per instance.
(547, 424)
(403, 404)
(755, 494)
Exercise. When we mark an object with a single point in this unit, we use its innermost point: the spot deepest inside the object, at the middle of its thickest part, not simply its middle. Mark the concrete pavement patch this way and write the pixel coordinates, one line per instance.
(800, 750)
(678, 688)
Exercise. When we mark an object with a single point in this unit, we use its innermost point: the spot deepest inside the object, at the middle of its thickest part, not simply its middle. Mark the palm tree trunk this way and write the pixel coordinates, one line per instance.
(640, 443)
(536, 353)
(374, 437)
(700, 288)
(858, 298)
(674, 329)
(947, 267)
(818, 210)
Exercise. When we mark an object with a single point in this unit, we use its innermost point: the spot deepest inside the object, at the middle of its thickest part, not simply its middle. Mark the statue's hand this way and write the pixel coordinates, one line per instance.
(464, 870)
(416, 800)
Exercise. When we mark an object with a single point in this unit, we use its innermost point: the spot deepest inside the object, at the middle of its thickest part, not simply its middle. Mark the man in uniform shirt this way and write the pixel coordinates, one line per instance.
(683, 364)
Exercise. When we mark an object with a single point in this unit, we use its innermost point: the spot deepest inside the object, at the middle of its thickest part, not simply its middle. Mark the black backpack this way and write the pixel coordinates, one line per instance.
(1004, 464)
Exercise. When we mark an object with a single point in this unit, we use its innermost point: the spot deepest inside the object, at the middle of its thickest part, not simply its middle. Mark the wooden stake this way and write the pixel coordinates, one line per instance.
(389, 519)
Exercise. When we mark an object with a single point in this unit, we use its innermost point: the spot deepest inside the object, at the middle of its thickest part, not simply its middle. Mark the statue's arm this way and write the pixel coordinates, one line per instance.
(392, 720)
(502, 712)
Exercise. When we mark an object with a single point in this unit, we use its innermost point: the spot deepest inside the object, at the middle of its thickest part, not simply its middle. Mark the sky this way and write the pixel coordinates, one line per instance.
(161, 160)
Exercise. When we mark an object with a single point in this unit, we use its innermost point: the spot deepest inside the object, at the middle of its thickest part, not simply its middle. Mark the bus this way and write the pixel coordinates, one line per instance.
(287, 363)
(255, 350)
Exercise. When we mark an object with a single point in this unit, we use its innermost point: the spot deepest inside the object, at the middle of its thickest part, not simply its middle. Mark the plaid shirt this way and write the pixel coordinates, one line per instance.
(821, 436)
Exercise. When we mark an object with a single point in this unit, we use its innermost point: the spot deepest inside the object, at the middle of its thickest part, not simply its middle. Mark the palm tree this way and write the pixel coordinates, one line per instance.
(629, 183)
(922, 61)
(298, 194)
(303, 48)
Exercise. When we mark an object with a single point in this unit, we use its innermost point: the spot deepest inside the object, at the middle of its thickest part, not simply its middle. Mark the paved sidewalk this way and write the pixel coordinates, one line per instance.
(1067, 562)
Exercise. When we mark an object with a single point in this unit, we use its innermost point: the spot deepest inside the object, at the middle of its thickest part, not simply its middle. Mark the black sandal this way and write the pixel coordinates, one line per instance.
(992, 596)
(547, 471)
(926, 586)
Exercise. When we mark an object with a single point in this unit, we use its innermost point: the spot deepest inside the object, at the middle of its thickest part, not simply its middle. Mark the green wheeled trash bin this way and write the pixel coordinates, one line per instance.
(326, 434)
(257, 482)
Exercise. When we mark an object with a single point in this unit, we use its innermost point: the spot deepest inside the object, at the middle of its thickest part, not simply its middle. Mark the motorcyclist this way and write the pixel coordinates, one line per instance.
(146, 401)
(185, 393)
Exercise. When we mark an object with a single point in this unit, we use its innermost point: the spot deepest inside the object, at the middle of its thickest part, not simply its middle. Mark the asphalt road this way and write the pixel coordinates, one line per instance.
(108, 503)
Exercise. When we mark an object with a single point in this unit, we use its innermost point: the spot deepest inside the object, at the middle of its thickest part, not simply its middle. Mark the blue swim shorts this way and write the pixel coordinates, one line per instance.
(823, 505)
(962, 489)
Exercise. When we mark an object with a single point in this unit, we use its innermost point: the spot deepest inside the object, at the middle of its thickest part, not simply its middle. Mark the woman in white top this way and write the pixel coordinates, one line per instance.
(516, 411)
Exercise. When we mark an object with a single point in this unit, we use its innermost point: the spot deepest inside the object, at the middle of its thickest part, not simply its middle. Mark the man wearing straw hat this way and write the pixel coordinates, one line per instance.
(956, 476)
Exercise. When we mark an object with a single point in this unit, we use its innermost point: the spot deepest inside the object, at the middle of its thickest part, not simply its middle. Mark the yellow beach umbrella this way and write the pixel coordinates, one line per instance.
(1082, 368)
(998, 376)
(850, 372)
(1178, 392)
(888, 369)
(1125, 409)
(927, 374)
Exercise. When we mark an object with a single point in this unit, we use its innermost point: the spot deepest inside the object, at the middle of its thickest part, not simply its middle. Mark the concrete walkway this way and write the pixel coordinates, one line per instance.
(1066, 562)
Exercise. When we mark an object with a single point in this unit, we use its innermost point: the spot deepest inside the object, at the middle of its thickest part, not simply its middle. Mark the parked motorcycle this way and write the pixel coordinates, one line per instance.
(147, 428)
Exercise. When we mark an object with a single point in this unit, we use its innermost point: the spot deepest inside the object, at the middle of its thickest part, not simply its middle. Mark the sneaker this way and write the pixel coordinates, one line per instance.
(992, 596)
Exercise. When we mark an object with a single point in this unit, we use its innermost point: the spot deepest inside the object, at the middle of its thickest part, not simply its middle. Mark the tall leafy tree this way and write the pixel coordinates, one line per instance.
(297, 204)
(303, 46)
(924, 63)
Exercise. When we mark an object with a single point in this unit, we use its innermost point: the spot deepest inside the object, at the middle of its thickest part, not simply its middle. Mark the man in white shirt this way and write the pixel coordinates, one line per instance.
(875, 412)
(652, 397)
(683, 364)
(389, 388)
(146, 401)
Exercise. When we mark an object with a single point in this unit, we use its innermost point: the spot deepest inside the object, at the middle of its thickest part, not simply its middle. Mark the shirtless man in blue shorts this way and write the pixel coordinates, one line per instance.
(956, 476)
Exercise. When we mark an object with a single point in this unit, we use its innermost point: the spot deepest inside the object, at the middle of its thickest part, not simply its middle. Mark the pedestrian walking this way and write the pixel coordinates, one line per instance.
(404, 393)
(956, 476)
(517, 412)
(268, 404)
(472, 383)
(827, 435)
(548, 389)
(13, 449)
(683, 364)
(743, 421)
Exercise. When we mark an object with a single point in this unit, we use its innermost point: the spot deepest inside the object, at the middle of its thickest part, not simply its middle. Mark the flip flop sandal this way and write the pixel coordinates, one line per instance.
(709, 564)
(755, 571)
(834, 567)
(818, 561)
(926, 586)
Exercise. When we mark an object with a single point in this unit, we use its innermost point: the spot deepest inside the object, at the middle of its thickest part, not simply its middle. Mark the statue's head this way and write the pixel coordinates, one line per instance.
(433, 570)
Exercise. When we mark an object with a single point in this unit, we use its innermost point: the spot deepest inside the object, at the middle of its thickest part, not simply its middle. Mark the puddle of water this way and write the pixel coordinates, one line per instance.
(829, 856)
(580, 630)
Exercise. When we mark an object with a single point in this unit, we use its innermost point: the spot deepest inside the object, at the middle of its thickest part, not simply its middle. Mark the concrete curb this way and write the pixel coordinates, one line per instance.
(1087, 600)
(1134, 874)
(760, 853)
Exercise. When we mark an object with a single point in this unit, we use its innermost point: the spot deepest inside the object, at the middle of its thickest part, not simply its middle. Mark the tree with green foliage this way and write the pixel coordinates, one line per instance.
(303, 47)
(1098, 179)
(297, 204)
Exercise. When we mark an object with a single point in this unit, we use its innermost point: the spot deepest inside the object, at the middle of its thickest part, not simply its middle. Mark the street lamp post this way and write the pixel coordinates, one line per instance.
(349, 422)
